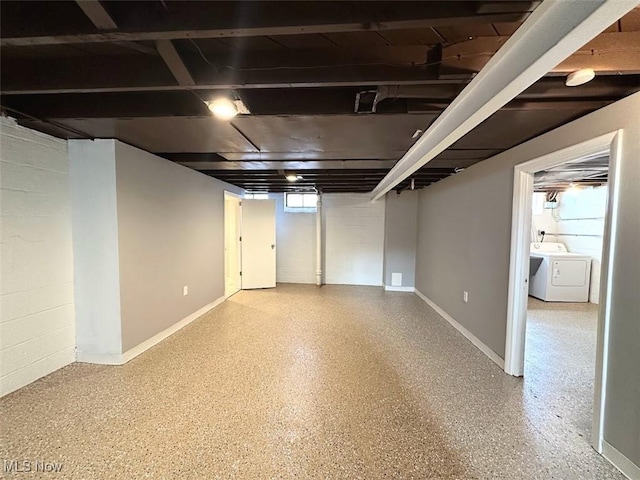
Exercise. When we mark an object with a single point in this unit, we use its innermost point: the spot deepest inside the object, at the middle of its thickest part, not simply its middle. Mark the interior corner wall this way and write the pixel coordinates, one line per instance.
(95, 249)
(37, 331)
(170, 235)
(401, 236)
(353, 245)
(295, 244)
(464, 241)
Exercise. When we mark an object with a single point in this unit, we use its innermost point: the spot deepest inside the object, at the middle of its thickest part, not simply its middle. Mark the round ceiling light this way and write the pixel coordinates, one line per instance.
(293, 178)
(580, 77)
(223, 108)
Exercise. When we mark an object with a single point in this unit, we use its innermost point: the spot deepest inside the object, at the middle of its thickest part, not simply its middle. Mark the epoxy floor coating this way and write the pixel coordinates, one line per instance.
(302, 382)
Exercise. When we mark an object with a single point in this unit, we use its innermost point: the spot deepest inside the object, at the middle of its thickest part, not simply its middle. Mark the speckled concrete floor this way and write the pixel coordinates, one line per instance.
(560, 360)
(300, 382)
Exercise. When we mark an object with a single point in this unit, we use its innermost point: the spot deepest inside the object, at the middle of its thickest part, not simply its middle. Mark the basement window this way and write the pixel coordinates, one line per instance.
(300, 202)
(257, 196)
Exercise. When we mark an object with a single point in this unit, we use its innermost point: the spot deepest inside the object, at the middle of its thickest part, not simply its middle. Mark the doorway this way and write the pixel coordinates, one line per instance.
(232, 244)
(519, 274)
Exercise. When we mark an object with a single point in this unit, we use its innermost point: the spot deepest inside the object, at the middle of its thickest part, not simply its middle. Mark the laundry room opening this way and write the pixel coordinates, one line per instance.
(568, 214)
(558, 316)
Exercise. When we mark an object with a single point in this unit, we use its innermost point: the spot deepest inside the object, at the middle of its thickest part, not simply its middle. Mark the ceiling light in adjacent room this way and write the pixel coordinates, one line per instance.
(293, 177)
(223, 108)
(580, 77)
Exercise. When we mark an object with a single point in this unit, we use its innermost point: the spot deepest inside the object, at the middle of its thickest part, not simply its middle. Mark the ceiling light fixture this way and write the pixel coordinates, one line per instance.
(580, 77)
(223, 108)
(293, 178)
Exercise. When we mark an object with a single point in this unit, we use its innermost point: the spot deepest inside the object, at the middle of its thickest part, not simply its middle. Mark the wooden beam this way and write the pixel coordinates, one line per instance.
(549, 36)
(276, 30)
(138, 47)
(305, 68)
(172, 58)
(286, 165)
(615, 52)
(97, 14)
(103, 21)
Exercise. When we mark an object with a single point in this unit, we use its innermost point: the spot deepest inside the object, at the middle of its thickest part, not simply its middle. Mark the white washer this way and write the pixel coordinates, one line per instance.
(557, 275)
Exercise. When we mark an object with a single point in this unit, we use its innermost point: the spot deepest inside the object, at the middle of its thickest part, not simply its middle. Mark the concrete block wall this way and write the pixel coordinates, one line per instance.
(353, 239)
(295, 244)
(37, 327)
(578, 222)
(580, 218)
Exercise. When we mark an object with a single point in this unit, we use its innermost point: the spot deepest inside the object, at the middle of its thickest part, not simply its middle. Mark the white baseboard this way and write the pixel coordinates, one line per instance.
(470, 336)
(622, 463)
(99, 358)
(120, 359)
(390, 288)
(147, 344)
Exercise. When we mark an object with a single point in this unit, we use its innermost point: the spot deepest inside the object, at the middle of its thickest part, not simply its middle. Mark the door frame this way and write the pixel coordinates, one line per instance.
(228, 194)
(519, 262)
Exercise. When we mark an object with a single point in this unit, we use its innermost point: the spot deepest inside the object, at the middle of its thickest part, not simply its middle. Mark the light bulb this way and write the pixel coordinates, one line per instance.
(223, 108)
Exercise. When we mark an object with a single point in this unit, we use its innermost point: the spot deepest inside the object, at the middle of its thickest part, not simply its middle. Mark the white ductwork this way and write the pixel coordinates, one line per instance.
(555, 30)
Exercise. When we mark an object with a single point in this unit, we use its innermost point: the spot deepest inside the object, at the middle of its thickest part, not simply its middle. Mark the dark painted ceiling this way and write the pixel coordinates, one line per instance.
(336, 90)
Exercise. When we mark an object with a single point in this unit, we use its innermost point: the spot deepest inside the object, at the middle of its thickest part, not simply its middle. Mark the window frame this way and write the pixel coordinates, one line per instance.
(301, 208)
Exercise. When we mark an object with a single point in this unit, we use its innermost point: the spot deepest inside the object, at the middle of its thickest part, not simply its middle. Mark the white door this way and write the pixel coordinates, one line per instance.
(232, 232)
(258, 244)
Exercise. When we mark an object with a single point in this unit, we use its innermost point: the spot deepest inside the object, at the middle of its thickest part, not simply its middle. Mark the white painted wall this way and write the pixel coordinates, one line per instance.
(295, 244)
(37, 333)
(353, 239)
(542, 219)
(95, 250)
(578, 222)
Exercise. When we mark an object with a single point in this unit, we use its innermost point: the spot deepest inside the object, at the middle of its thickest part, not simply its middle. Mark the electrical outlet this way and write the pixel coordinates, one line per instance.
(185, 290)
(465, 296)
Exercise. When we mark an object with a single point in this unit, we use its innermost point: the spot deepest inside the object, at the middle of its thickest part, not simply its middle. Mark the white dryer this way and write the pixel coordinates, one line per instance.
(558, 276)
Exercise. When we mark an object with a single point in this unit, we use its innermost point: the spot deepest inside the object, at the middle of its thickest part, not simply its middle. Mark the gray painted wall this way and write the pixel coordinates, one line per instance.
(464, 225)
(170, 234)
(401, 236)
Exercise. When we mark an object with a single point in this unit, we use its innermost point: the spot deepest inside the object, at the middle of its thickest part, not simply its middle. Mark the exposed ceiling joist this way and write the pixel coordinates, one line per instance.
(97, 14)
(607, 53)
(282, 69)
(553, 32)
(275, 30)
(550, 94)
(286, 165)
(171, 57)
